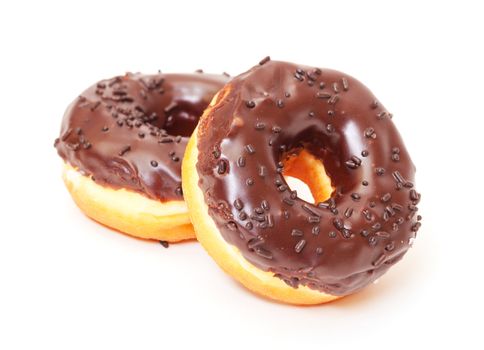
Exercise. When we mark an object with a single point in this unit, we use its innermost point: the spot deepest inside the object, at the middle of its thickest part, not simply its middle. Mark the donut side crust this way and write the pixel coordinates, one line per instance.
(128, 211)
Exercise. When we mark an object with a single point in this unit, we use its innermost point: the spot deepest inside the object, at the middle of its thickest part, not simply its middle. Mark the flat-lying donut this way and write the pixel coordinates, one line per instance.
(327, 129)
(123, 141)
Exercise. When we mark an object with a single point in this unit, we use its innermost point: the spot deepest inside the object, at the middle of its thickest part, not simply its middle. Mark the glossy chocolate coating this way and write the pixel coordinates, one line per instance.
(131, 131)
(274, 110)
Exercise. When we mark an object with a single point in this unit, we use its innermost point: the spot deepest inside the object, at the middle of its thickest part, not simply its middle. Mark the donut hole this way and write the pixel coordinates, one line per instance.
(306, 173)
(182, 119)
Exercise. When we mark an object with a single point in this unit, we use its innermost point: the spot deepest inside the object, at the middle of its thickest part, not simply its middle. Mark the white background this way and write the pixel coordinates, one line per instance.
(69, 283)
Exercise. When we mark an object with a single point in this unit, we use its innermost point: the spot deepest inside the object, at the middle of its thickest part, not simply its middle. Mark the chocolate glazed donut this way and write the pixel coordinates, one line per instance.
(130, 132)
(263, 121)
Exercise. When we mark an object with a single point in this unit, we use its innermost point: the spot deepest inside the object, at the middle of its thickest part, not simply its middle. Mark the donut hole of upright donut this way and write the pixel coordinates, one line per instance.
(309, 170)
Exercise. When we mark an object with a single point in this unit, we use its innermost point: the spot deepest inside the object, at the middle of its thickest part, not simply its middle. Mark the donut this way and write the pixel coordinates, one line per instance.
(122, 141)
(327, 129)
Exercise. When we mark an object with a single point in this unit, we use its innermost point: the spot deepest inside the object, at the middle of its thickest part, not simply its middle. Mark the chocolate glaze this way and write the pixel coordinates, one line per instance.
(131, 131)
(274, 110)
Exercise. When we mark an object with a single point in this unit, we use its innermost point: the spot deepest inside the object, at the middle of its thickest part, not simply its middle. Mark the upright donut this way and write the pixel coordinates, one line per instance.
(327, 129)
(122, 141)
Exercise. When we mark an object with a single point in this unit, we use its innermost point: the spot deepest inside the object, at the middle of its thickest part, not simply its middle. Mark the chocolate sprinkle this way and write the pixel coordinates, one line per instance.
(386, 197)
(355, 196)
(379, 260)
(380, 171)
(221, 167)
(296, 233)
(300, 246)
(263, 253)
(250, 149)
(310, 210)
(370, 133)
(323, 95)
(264, 60)
(250, 104)
(124, 150)
(265, 205)
(241, 161)
(238, 204)
(260, 126)
(345, 84)
(348, 212)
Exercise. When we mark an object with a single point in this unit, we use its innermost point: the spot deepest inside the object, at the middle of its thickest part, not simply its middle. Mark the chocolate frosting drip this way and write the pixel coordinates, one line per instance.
(131, 131)
(274, 110)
